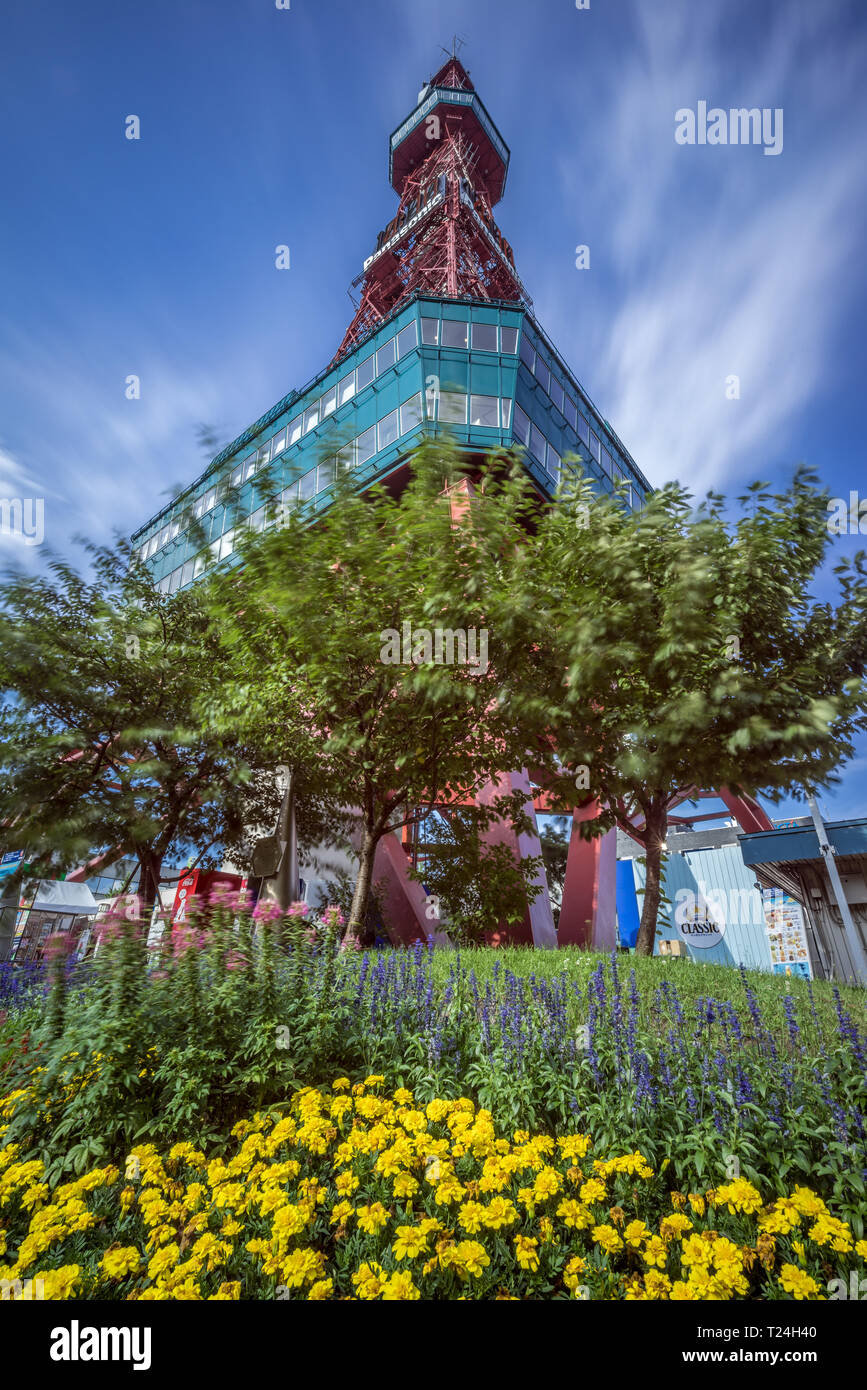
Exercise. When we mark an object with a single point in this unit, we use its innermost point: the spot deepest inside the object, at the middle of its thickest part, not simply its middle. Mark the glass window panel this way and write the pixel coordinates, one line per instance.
(227, 544)
(453, 407)
(280, 442)
(346, 455)
(264, 454)
(385, 358)
(522, 425)
(249, 467)
(571, 411)
(199, 565)
(346, 389)
(407, 338)
(213, 552)
(174, 580)
(410, 414)
(508, 339)
(211, 500)
(257, 520)
(187, 573)
(329, 402)
(430, 331)
(289, 498)
(528, 352)
(454, 333)
(552, 462)
(307, 486)
(162, 537)
(311, 417)
(325, 474)
(364, 374)
(485, 337)
(538, 443)
(506, 409)
(583, 429)
(175, 530)
(238, 476)
(557, 394)
(388, 430)
(365, 445)
(163, 585)
(295, 430)
(485, 411)
(594, 445)
(543, 376)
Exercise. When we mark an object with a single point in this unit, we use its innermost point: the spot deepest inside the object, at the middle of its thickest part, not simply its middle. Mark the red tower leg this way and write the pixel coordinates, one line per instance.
(588, 912)
(404, 901)
(537, 927)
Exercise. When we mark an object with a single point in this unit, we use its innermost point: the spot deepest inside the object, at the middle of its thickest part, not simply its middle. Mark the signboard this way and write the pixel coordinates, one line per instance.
(199, 883)
(699, 923)
(787, 937)
(10, 862)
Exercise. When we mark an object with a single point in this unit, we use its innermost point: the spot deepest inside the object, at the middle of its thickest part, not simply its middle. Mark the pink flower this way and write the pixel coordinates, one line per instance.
(267, 911)
(332, 916)
(350, 943)
(236, 961)
(298, 910)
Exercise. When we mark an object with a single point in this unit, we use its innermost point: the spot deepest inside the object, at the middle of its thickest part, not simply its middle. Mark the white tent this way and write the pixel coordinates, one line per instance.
(56, 895)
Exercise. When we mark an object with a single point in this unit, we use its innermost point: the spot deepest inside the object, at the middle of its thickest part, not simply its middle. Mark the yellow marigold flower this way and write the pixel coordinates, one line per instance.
(607, 1237)
(410, 1243)
(472, 1216)
(59, 1284)
(655, 1252)
(695, 1251)
(403, 1097)
(658, 1286)
(500, 1212)
(798, 1283)
(635, 1233)
(574, 1146)
(807, 1203)
(437, 1110)
(341, 1084)
(371, 1218)
(592, 1191)
(546, 1229)
(828, 1230)
(449, 1190)
(368, 1280)
(303, 1267)
(547, 1183)
(682, 1293)
(469, 1256)
(861, 1249)
(163, 1260)
(798, 1247)
(399, 1288)
(526, 1253)
(574, 1269)
(120, 1261)
(405, 1185)
(527, 1198)
(346, 1184)
(697, 1202)
(574, 1214)
(340, 1212)
(289, 1221)
(674, 1226)
(320, 1291)
(373, 1081)
(226, 1293)
(739, 1196)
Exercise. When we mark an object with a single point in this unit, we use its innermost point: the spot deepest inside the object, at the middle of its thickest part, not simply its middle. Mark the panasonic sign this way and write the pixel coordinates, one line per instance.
(405, 229)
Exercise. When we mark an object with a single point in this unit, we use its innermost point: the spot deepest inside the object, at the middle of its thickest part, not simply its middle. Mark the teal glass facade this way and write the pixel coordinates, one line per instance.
(484, 371)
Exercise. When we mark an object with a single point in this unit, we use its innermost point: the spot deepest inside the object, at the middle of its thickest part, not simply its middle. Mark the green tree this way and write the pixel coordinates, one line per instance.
(312, 625)
(101, 756)
(683, 650)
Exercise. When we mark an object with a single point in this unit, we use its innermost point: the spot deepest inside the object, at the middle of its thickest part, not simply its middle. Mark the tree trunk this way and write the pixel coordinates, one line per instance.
(150, 871)
(361, 896)
(655, 831)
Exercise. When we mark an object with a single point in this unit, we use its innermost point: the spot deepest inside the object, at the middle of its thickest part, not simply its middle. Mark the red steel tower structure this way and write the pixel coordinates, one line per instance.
(448, 166)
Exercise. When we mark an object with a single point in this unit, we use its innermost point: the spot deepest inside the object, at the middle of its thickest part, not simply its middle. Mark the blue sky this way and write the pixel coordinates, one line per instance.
(261, 127)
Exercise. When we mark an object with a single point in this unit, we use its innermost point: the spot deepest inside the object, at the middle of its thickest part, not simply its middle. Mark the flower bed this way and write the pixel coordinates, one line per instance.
(350, 1193)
